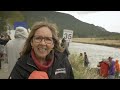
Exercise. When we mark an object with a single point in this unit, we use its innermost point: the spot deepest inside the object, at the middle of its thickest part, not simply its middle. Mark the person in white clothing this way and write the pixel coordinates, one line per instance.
(15, 46)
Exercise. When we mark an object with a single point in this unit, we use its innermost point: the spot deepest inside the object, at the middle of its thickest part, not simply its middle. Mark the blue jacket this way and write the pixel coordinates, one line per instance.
(112, 68)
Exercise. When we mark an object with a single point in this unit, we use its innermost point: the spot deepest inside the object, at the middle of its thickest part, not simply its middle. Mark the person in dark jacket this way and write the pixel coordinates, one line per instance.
(64, 45)
(86, 62)
(42, 53)
(4, 39)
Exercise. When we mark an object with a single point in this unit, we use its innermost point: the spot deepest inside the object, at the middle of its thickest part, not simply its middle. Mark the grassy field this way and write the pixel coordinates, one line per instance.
(98, 41)
(81, 72)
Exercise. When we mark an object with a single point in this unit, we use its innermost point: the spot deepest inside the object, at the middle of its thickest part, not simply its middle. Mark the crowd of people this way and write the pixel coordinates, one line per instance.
(109, 68)
(14, 47)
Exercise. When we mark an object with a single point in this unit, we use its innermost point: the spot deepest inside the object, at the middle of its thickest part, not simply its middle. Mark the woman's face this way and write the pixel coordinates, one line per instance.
(42, 42)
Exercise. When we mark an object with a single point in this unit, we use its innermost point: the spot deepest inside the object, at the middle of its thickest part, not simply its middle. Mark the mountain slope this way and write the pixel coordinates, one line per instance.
(66, 21)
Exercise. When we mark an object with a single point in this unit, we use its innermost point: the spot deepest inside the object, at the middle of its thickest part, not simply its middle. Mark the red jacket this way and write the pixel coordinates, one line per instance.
(104, 67)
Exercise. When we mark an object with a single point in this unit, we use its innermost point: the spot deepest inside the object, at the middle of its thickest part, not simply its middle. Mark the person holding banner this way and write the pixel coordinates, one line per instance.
(42, 57)
(64, 44)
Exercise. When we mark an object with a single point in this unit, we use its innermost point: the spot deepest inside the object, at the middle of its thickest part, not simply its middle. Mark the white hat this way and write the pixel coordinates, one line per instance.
(21, 32)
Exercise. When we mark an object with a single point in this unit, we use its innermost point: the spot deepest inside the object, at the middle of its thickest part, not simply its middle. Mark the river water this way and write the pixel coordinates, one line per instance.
(95, 52)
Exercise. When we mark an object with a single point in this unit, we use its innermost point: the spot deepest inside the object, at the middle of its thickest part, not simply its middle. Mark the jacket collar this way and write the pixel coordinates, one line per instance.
(30, 61)
(58, 58)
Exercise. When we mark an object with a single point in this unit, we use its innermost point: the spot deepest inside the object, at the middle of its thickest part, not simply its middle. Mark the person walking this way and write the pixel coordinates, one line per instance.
(14, 47)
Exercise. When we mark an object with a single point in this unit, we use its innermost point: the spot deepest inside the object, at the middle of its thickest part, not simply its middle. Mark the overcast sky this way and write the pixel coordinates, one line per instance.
(110, 20)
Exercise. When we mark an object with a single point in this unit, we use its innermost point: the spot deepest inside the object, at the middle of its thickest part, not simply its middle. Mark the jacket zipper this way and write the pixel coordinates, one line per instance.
(32, 66)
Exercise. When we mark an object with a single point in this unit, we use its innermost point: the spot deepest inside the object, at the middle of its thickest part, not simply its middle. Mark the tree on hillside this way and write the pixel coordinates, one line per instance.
(9, 17)
(2, 25)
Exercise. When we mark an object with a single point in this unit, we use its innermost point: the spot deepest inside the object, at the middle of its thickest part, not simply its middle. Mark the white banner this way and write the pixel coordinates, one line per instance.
(68, 34)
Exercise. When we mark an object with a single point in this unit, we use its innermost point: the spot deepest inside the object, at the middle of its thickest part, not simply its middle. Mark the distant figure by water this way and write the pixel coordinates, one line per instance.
(86, 61)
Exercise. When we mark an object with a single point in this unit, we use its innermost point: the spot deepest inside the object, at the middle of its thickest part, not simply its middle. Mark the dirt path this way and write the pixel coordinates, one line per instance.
(4, 71)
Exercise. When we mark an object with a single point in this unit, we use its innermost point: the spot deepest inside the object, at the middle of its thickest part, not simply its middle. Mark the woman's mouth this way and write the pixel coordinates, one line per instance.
(42, 49)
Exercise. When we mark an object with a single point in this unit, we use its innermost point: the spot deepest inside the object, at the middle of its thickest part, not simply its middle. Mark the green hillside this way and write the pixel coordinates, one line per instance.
(64, 21)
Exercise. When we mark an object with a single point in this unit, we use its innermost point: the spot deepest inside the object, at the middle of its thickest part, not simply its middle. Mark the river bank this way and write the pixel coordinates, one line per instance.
(81, 72)
(97, 41)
